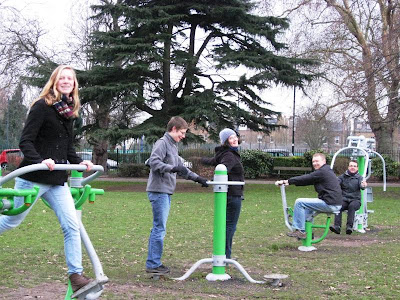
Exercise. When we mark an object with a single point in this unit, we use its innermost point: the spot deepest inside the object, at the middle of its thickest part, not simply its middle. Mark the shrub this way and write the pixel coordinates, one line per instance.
(129, 158)
(291, 161)
(341, 164)
(133, 170)
(392, 167)
(194, 156)
(256, 163)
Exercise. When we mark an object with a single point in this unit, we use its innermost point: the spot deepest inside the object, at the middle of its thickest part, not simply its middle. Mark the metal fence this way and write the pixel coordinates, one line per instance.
(141, 153)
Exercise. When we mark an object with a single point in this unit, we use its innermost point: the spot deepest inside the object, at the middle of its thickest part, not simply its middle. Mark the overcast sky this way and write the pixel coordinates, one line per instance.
(55, 17)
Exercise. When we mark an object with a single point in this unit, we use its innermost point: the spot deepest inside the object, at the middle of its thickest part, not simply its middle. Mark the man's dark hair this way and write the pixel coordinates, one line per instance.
(178, 122)
(353, 161)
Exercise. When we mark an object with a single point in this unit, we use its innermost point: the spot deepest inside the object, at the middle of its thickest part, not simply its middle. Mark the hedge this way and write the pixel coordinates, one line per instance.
(256, 163)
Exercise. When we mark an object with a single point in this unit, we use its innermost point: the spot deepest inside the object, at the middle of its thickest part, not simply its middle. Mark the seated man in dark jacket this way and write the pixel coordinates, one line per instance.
(351, 182)
(329, 194)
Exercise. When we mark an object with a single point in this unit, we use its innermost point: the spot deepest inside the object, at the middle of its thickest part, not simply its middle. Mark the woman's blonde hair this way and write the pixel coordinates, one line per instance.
(50, 93)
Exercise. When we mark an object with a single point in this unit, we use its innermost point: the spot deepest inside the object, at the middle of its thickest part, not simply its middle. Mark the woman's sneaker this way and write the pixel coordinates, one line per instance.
(159, 270)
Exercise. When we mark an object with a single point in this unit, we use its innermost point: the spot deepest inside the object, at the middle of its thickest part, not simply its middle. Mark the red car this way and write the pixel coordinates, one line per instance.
(10, 156)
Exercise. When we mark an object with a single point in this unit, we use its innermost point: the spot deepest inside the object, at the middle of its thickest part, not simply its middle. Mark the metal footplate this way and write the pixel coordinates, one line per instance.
(92, 290)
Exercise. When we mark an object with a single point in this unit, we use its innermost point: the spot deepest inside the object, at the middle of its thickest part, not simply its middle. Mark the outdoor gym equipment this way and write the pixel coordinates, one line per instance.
(219, 259)
(307, 243)
(80, 192)
(362, 151)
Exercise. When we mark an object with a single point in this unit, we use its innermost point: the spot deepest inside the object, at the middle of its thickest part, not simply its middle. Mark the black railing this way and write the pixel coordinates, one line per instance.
(117, 157)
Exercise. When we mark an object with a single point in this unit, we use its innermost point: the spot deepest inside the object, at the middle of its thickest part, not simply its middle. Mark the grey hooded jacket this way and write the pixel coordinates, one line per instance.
(163, 158)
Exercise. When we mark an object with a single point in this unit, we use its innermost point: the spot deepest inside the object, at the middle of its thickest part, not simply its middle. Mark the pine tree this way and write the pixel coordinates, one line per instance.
(196, 59)
(13, 119)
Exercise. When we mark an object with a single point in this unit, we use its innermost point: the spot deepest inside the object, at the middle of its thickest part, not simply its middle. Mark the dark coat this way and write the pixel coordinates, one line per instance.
(351, 185)
(231, 159)
(47, 135)
(325, 183)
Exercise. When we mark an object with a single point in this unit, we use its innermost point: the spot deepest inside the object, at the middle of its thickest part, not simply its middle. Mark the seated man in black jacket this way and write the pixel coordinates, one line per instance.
(351, 182)
(326, 185)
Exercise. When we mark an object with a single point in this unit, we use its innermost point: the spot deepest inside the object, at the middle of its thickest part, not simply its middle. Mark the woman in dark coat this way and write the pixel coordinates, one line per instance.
(47, 138)
(228, 155)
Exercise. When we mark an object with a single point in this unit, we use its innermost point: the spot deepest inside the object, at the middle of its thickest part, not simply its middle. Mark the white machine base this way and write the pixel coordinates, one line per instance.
(307, 249)
(215, 277)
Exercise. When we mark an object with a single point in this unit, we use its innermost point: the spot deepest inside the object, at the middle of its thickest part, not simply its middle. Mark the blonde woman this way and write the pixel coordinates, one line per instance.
(47, 138)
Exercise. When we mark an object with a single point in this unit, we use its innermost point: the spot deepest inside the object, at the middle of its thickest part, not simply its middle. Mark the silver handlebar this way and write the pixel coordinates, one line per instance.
(58, 167)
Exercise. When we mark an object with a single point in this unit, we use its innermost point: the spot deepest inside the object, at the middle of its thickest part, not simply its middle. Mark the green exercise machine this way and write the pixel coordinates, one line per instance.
(81, 192)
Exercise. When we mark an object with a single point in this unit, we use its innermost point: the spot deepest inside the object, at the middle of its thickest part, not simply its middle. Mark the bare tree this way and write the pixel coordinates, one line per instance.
(313, 127)
(19, 46)
(359, 44)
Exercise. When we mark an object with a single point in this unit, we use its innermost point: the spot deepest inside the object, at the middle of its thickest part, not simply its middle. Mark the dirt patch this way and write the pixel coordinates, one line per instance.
(144, 290)
(350, 243)
(44, 291)
(357, 239)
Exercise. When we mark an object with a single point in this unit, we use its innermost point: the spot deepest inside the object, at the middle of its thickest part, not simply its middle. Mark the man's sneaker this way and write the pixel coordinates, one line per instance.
(78, 281)
(335, 229)
(349, 230)
(159, 270)
(297, 234)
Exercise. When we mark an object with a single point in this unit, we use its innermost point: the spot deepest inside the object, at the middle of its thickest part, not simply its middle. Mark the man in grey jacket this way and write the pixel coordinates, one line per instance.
(165, 163)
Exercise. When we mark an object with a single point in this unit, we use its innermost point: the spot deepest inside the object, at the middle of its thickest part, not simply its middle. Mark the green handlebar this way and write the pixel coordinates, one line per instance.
(84, 194)
(80, 195)
(27, 194)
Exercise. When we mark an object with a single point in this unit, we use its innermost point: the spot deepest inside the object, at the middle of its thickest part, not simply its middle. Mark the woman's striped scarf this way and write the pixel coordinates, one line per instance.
(65, 106)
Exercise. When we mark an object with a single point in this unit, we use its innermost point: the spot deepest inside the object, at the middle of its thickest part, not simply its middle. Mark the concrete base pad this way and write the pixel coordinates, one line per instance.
(307, 249)
(215, 277)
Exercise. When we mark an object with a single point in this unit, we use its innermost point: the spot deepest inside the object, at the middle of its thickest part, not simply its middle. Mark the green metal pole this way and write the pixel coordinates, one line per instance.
(219, 225)
(361, 169)
(219, 235)
(307, 241)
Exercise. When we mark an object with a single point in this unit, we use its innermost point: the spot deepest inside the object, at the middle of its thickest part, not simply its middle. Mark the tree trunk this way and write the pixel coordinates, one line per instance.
(101, 143)
(384, 135)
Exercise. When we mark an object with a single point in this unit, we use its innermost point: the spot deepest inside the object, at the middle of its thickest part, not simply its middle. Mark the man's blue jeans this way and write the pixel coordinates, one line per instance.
(60, 199)
(233, 207)
(161, 204)
(305, 207)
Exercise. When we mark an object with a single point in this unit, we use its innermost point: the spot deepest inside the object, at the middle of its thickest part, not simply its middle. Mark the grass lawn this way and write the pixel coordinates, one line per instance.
(357, 266)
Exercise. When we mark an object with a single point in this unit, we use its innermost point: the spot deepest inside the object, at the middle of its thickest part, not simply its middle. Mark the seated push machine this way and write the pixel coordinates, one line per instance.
(307, 243)
(80, 192)
(362, 149)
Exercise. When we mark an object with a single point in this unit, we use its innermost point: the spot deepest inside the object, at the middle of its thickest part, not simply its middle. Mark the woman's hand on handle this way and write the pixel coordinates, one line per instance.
(88, 164)
(49, 163)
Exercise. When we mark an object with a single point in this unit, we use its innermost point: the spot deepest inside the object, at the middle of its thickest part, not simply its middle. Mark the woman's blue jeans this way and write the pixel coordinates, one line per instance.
(233, 207)
(161, 204)
(304, 208)
(60, 199)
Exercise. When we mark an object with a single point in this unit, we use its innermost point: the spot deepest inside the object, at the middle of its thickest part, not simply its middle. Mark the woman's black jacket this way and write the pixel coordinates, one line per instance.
(231, 159)
(47, 135)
